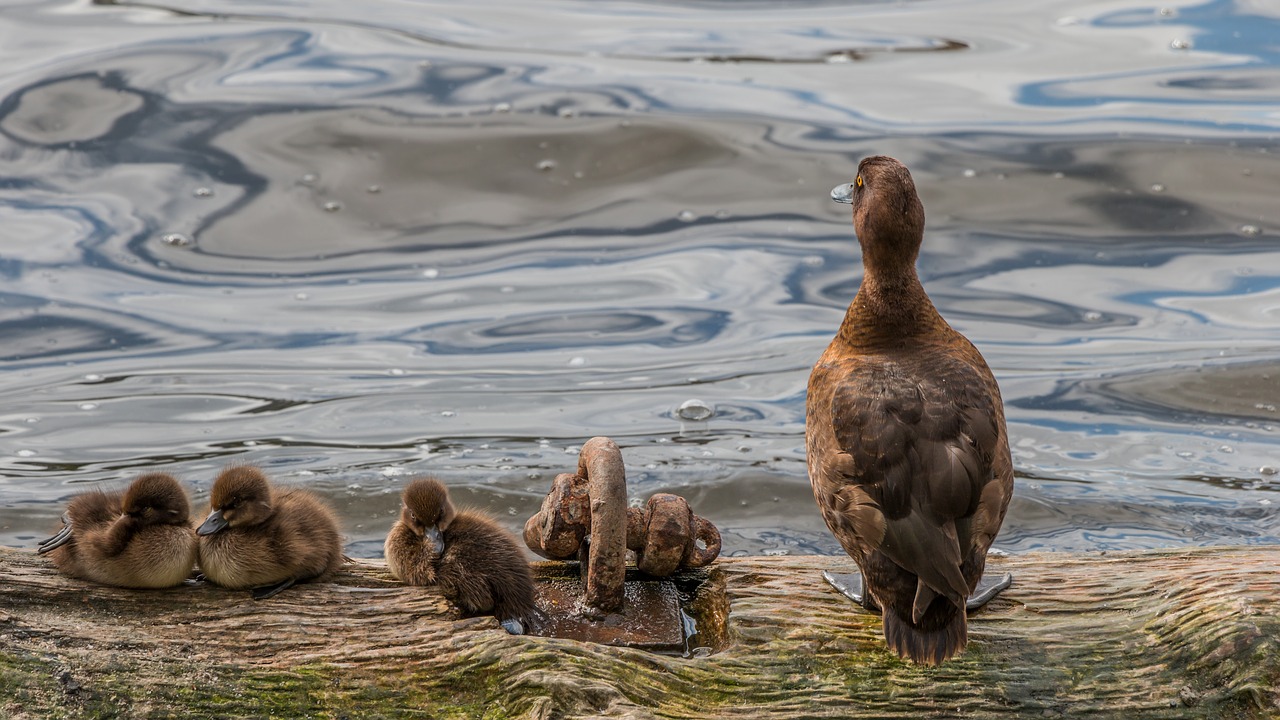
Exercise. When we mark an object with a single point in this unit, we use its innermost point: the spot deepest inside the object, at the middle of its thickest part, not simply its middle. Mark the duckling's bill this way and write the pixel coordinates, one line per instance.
(212, 524)
(843, 193)
(436, 539)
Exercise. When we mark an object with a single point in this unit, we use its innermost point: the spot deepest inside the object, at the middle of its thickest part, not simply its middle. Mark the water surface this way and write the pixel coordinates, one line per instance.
(354, 242)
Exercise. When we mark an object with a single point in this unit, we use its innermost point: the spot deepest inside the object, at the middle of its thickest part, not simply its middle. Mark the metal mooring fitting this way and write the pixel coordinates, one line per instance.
(666, 535)
(593, 502)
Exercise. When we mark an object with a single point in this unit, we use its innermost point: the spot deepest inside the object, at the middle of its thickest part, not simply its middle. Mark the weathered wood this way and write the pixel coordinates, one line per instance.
(1165, 634)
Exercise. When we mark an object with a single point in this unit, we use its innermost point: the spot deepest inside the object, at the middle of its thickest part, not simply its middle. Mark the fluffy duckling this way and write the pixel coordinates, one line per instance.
(141, 538)
(477, 564)
(905, 434)
(264, 539)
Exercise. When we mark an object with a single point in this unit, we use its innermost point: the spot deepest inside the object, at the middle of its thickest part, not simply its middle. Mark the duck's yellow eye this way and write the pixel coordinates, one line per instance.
(858, 181)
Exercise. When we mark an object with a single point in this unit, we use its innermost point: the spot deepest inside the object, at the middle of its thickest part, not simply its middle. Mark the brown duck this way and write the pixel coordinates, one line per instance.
(905, 435)
(140, 538)
(264, 539)
(478, 565)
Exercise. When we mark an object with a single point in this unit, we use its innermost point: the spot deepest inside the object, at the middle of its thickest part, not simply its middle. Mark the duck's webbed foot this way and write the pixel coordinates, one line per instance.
(512, 626)
(851, 586)
(986, 590)
(266, 591)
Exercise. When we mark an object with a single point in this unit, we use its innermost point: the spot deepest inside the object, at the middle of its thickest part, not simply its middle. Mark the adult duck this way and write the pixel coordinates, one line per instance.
(905, 435)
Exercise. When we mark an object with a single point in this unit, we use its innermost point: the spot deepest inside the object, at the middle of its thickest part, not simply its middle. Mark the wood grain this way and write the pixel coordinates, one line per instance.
(1158, 634)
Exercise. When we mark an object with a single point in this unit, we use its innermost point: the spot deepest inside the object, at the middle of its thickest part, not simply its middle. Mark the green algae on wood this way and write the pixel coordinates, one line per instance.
(1159, 634)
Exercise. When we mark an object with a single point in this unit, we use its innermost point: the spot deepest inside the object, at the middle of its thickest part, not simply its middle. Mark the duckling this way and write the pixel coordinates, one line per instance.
(477, 564)
(905, 434)
(264, 539)
(141, 538)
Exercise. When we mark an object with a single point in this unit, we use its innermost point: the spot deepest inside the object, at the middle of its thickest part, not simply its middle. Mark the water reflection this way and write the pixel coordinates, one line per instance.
(451, 240)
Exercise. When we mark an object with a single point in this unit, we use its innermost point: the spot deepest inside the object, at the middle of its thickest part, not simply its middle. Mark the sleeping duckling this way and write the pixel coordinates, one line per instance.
(141, 538)
(477, 564)
(905, 432)
(263, 539)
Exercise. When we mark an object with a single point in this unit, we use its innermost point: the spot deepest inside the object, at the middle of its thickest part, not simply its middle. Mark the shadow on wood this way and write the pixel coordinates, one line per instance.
(1161, 634)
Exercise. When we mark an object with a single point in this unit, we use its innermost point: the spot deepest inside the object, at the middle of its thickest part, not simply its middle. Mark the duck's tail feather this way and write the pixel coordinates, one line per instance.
(925, 647)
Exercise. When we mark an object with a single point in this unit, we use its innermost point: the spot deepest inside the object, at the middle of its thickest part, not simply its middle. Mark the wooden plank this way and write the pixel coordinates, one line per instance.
(1158, 634)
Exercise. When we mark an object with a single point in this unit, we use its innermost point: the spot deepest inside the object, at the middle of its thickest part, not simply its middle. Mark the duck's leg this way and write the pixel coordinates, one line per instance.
(266, 591)
(851, 586)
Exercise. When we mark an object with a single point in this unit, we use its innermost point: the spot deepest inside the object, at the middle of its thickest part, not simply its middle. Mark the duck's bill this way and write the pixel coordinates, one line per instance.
(435, 538)
(212, 524)
(843, 193)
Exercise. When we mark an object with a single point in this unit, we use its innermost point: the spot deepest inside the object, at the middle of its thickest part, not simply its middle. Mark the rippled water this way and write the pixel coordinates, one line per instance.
(357, 241)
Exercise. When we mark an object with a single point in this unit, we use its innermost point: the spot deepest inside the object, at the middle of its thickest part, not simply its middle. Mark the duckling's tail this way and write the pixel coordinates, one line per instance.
(926, 646)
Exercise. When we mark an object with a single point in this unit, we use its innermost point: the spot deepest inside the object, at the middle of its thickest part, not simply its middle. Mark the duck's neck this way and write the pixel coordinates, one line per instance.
(890, 307)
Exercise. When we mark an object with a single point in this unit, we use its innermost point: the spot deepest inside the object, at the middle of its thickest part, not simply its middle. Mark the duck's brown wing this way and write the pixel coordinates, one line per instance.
(916, 453)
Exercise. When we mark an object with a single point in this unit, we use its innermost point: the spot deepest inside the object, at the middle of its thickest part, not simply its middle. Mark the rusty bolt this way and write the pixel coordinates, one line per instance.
(666, 535)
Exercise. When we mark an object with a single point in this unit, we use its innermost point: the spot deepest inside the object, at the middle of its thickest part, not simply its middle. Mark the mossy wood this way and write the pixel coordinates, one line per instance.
(1164, 634)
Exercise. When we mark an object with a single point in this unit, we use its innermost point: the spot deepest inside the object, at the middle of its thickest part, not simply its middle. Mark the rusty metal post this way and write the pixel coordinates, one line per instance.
(601, 464)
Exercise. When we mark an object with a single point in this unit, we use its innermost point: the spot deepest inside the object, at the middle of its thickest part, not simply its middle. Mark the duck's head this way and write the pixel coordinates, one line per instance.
(887, 214)
(240, 497)
(157, 499)
(427, 510)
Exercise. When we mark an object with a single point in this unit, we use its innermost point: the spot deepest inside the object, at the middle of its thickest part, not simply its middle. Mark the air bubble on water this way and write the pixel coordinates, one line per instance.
(1058, 176)
(1180, 44)
(722, 214)
(88, 406)
(502, 107)
(301, 296)
(839, 57)
(32, 420)
(25, 453)
(506, 289)
(354, 486)
(1167, 12)
(93, 377)
(546, 165)
(1250, 230)
(1068, 20)
(175, 239)
(309, 178)
(1267, 470)
(447, 413)
(567, 112)
(202, 192)
(1157, 187)
(1185, 454)
(250, 443)
(332, 206)
(969, 172)
(695, 410)
(373, 189)
(1093, 316)
(1226, 449)
(577, 361)
(430, 273)
(395, 371)
(687, 216)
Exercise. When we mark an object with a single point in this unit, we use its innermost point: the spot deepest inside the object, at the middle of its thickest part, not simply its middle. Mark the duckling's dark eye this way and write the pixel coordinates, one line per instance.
(858, 181)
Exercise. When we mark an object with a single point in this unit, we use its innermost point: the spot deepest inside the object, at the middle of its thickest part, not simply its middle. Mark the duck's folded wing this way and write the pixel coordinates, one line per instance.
(916, 456)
